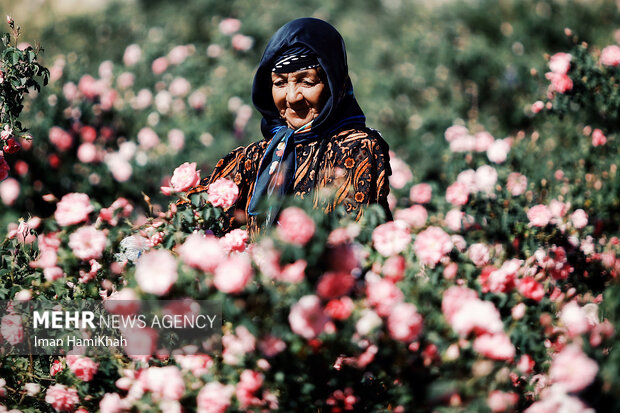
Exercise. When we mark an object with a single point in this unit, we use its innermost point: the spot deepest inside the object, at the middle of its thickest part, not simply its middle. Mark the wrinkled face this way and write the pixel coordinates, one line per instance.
(299, 96)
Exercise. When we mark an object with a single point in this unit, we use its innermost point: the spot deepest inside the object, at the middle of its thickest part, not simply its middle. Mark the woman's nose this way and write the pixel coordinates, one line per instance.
(293, 93)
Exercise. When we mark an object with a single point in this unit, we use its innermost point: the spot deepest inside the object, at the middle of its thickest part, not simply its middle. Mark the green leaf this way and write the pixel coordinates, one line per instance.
(17, 56)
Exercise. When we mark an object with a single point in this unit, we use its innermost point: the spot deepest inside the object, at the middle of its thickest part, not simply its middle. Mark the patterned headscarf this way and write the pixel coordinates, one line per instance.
(295, 59)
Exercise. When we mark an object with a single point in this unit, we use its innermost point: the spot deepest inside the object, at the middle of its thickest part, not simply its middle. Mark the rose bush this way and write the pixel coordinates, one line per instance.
(495, 289)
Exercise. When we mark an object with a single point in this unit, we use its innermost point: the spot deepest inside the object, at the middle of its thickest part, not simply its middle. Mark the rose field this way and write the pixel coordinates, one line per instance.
(494, 289)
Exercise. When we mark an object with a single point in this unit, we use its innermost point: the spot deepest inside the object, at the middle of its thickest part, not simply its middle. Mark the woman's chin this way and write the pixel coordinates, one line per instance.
(297, 122)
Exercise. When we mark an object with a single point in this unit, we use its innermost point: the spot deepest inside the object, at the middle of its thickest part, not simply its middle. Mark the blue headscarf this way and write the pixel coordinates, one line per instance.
(341, 110)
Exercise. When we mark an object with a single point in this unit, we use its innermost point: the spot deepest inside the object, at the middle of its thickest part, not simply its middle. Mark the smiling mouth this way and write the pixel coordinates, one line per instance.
(301, 113)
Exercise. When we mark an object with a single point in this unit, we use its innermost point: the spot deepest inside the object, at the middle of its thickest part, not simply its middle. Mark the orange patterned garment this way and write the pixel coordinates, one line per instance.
(352, 166)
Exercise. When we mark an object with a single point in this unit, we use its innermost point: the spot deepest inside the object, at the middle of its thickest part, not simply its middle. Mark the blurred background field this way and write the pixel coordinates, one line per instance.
(139, 87)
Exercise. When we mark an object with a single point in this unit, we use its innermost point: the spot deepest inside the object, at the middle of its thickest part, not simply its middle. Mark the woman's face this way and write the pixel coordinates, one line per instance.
(299, 96)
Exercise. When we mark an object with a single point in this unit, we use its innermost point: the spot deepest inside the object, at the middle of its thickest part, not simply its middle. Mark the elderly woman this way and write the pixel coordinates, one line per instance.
(315, 136)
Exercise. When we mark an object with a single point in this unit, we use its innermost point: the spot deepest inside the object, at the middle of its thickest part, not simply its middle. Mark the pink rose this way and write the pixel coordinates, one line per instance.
(483, 141)
(516, 183)
(56, 368)
(229, 26)
(431, 245)
(404, 323)
(125, 80)
(156, 272)
(9, 191)
(197, 100)
(486, 177)
(579, 218)
(202, 252)
(178, 54)
(573, 369)
(148, 139)
(197, 364)
(249, 383)
(499, 401)
(391, 238)
(159, 65)
(462, 144)
(450, 271)
(12, 329)
(214, 397)
(87, 152)
(530, 288)
(334, 284)
(179, 87)
(478, 254)
(223, 193)
(383, 295)
(111, 403)
(598, 138)
(83, 367)
(558, 208)
(293, 273)
(454, 298)
(502, 280)
(420, 193)
(242, 43)
(90, 87)
(498, 151)
(496, 346)
(454, 219)
(62, 398)
(415, 216)
(124, 302)
(235, 240)
(525, 364)
(560, 63)
(477, 316)
(394, 268)
(60, 138)
(454, 132)
(537, 106)
(457, 194)
(340, 309)
(164, 383)
(233, 275)
(558, 401)
(176, 139)
(560, 83)
(132, 55)
(307, 318)
(271, 346)
(368, 321)
(141, 342)
(610, 56)
(468, 177)
(53, 273)
(87, 243)
(539, 215)
(295, 226)
(183, 178)
(401, 173)
(120, 168)
(72, 209)
(574, 318)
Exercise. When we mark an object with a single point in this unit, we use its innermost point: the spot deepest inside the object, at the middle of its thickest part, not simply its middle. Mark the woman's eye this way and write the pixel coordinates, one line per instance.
(309, 83)
(279, 83)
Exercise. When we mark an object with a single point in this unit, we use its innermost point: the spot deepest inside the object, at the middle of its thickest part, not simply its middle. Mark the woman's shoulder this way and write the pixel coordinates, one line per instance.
(361, 136)
(249, 151)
